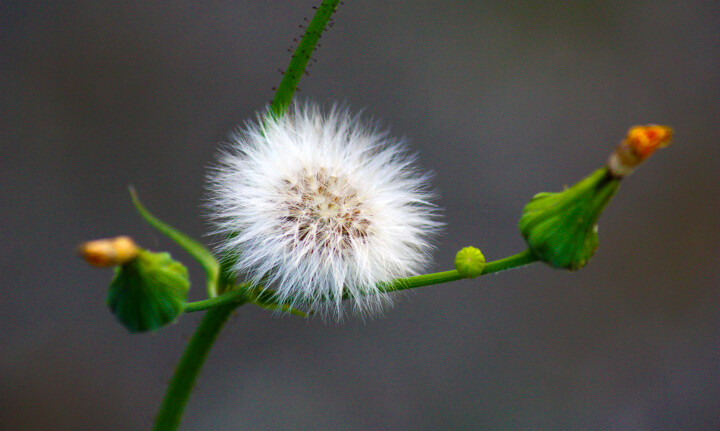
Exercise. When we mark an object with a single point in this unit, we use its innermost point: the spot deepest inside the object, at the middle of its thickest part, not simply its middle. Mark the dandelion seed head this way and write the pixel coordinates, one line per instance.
(319, 207)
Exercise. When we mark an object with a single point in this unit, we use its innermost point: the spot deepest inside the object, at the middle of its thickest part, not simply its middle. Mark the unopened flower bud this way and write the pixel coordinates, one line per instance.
(561, 228)
(469, 262)
(148, 292)
(109, 252)
(638, 145)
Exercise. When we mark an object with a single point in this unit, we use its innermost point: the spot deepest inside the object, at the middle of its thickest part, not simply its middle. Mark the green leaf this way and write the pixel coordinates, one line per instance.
(149, 292)
(201, 254)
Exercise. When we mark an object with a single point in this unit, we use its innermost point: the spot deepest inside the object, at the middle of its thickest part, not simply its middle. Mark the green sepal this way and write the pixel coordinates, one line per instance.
(202, 255)
(561, 228)
(149, 292)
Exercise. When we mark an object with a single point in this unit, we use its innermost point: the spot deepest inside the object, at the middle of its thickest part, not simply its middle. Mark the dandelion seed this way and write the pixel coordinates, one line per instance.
(322, 207)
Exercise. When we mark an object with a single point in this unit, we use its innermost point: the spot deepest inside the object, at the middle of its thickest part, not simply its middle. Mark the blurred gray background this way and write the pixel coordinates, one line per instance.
(501, 100)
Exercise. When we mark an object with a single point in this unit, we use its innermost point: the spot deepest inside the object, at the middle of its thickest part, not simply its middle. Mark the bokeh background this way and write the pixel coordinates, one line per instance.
(500, 99)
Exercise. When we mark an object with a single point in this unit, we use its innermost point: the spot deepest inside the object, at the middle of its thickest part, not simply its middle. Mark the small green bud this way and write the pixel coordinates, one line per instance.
(148, 292)
(561, 228)
(469, 262)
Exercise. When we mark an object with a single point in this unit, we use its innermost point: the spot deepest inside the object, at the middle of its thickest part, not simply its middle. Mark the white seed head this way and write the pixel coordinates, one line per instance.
(319, 206)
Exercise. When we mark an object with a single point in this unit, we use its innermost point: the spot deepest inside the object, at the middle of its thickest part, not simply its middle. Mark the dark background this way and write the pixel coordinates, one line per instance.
(501, 100)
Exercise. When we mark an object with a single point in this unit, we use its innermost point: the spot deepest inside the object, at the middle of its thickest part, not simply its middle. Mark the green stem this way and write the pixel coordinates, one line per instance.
(421, 281)
(521, 259)
(206, 260)
(178, 392)
(514, 261)
(510, 262)
(295, 70)
(288, 85)
(220, 307)
(230, 297)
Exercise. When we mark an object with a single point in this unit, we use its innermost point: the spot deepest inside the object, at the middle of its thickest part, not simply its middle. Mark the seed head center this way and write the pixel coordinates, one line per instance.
(324, 211)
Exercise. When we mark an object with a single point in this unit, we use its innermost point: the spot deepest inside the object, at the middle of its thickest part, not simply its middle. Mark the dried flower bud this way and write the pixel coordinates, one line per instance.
(638, 145)
(469, 262)
(109, 252)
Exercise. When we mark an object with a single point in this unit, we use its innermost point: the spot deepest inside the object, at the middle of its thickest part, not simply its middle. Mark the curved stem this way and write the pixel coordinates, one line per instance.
(301, 56)
(230, 297)
(178, 392)
(510, 262)
(206, 260)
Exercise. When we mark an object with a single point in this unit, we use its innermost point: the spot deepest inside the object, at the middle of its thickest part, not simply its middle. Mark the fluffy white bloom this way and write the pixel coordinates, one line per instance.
(316, 206)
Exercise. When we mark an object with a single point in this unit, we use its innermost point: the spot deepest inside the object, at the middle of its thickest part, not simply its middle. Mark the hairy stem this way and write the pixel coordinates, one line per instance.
(301, 56)
(221, 307)
(295, 70)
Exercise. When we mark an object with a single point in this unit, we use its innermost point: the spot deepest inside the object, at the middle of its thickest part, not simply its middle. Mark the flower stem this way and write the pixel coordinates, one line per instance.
(221, 307)
(301, 56)
(233, 296)
(514, 261)
(510, 262)
(295, 70)
(521, 259)
(178, 392)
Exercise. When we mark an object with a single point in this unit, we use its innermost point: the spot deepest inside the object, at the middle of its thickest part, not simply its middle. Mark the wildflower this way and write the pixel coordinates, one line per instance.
(321, 207)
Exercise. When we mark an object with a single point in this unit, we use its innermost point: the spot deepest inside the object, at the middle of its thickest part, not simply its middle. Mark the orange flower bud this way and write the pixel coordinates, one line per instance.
(109, 252)
(638, 145)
